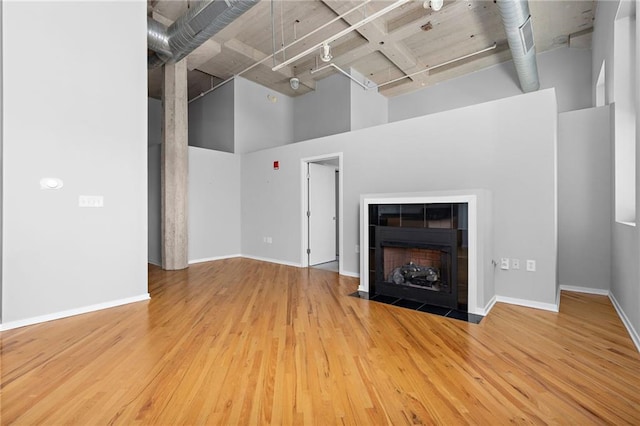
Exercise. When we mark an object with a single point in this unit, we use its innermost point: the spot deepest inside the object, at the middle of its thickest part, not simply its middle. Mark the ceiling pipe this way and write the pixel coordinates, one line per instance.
(198, 24)
(517, 24)
(451, 61)
(343, 72)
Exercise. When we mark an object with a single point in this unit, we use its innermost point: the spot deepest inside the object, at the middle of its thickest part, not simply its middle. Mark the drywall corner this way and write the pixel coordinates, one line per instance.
(262, 117)
(367, 107)
(325, 111)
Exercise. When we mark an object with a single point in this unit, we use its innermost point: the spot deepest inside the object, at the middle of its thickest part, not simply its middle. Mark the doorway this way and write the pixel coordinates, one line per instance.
(322, 212)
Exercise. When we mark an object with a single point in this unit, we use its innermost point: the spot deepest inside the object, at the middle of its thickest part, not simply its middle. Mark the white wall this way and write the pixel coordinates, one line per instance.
(506, 146)
(211, 120)
(260, 122)
(584, 198)
(625, 250)
(58, 257)
(602, 47)
(368, 107)
(214, 204)
(624, 120)
(1, 163)
(568, 70)
(323, 112)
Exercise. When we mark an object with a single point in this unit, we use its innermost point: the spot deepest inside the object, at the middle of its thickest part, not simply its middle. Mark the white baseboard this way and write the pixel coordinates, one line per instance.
(625, 320)
(485, 311)
(266, 259)
(72, 312)
(553, 307)
(586, 290)
(210, 259)
(350, 274)
(156, 263)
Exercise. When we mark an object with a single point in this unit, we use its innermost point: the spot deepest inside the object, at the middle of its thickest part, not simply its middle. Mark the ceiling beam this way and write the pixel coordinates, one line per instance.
(381, 40)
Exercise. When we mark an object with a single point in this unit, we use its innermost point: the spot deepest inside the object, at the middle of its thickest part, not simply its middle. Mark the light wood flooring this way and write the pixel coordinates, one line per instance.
(239, 341)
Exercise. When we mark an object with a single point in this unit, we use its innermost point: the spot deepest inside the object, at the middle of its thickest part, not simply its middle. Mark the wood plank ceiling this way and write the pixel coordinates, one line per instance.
(407, 40)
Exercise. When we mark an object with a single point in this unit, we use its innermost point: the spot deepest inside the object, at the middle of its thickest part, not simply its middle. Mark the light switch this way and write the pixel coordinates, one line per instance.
(91, 201)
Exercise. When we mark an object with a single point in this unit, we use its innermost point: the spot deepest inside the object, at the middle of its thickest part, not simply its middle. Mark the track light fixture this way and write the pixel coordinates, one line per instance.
(434, 4)
(325, 53)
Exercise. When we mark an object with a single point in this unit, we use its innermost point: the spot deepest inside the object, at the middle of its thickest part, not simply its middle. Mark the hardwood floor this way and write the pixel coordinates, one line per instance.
(244, 342)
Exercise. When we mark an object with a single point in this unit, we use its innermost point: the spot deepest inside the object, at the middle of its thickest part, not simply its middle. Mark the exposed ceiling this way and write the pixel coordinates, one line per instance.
(404, 41)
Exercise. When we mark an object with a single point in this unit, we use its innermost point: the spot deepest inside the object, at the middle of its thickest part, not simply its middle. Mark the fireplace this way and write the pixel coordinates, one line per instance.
(470, 214)
(417, 264)
(418, 252)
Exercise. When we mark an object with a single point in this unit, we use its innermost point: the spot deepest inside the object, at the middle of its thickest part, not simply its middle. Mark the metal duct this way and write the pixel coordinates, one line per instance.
(517, 24)
(201, 22)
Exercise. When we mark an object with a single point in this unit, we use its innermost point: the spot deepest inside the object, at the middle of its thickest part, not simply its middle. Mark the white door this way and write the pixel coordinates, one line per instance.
(322, 213)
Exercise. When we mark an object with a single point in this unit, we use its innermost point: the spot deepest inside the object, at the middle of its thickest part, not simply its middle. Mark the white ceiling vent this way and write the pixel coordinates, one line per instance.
(526, 35)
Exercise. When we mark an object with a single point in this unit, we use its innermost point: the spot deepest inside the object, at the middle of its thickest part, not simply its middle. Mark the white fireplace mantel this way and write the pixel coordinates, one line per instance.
(481, 287)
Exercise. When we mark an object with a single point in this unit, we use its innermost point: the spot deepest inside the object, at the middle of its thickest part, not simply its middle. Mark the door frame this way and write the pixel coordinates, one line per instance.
(304, 259)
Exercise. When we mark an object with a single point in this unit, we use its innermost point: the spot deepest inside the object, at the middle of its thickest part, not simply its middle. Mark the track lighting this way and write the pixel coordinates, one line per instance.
(325, 53)
(434, 4)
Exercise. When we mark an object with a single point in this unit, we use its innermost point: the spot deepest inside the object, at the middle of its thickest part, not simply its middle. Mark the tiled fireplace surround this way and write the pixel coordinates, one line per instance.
(480, 283)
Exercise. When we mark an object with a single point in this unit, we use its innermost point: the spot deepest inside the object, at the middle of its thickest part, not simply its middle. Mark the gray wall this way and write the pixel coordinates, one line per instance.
(58, 257)
(154, 122)
(154, 248)
(584, 198)
(326, 111)
(211, 120)
(506, 146)
(259, 122)
(214, 204)
(566, 69)
(214, 198)
(368, 108)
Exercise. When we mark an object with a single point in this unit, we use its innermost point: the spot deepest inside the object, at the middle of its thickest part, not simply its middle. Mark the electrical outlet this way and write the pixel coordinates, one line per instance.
(515, 263)
(269, 240)
(531, 265)
(504, 263)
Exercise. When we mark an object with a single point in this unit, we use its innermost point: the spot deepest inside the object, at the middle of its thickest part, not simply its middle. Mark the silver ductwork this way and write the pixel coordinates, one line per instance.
(201, 22)
(517, 24)
(157, 38)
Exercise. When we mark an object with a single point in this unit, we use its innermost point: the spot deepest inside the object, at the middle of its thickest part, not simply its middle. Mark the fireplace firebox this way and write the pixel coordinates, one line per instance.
(419, 252)
(417, 264)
